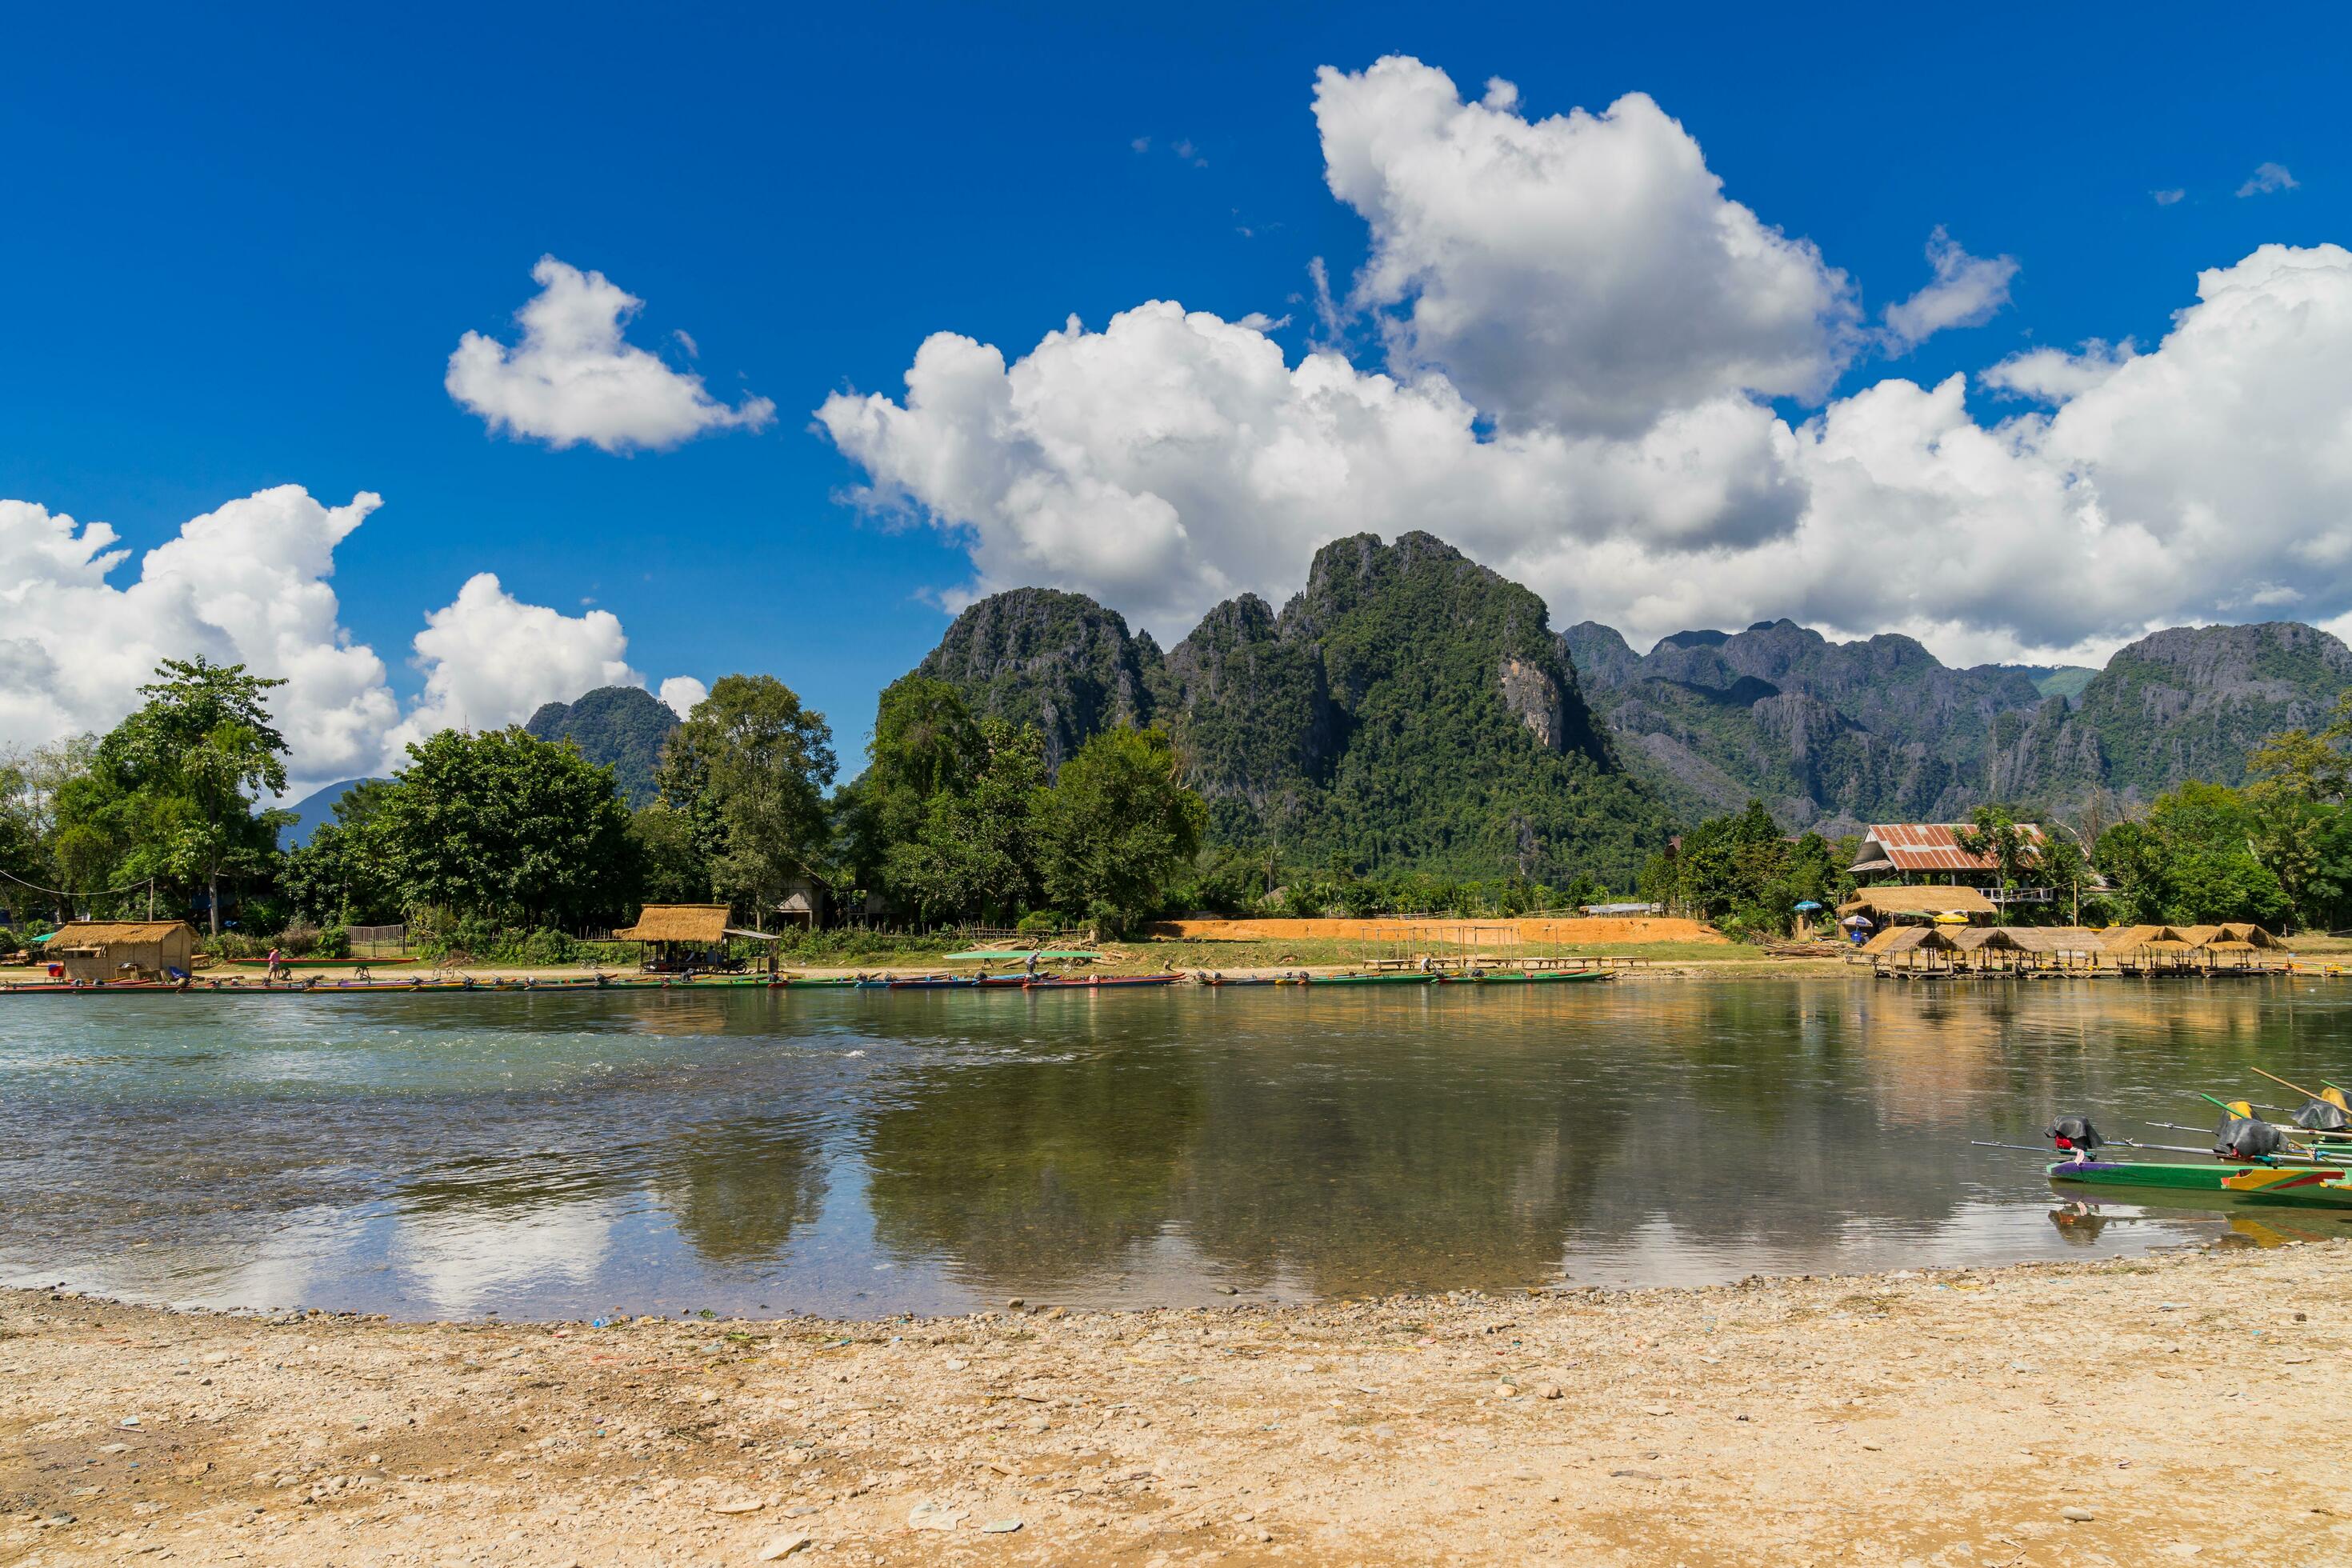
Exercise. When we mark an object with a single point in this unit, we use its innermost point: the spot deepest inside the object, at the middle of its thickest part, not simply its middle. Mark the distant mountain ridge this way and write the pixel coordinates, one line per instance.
(1365, 719)
(1836, 735)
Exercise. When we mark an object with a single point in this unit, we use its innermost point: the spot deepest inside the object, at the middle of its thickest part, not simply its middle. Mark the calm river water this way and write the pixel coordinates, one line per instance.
(866, 1153)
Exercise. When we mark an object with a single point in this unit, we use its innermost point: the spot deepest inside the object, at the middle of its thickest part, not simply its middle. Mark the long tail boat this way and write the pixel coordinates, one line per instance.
(1101, 982)
(1530, 976)
(2310, 1187)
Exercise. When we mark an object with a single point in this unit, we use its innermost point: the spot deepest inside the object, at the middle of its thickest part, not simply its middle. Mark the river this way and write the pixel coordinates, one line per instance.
(866, 1153)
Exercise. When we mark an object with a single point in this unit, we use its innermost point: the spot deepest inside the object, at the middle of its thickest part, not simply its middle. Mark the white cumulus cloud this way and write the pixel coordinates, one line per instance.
(1175, 458)
(1583, 271)
(490, 660)
(682, 693)
(1966, 292)
(248, 583)
(573, 378)
(1586, 414)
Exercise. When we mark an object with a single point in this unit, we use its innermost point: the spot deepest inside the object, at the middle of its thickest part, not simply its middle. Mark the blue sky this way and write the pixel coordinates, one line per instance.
(243, 251)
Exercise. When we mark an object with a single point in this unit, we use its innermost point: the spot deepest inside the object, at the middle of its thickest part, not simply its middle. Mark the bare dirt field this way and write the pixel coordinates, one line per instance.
(2184, 1408)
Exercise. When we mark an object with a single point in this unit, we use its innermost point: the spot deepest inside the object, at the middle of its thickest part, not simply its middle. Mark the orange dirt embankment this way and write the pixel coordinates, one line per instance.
(1593, 931)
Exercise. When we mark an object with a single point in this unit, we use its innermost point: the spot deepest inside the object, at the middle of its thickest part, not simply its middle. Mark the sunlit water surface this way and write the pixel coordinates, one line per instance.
(863, 1153)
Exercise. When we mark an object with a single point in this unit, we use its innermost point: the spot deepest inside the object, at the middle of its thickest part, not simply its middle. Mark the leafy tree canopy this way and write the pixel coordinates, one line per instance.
(750, 766)
(499, 823)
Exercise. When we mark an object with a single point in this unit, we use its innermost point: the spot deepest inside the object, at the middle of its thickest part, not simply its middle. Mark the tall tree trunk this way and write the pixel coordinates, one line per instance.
(215, 900)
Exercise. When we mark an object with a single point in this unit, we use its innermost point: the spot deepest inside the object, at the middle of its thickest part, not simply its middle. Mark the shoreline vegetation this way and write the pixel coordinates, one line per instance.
(2030, 1414)
(1680, 960)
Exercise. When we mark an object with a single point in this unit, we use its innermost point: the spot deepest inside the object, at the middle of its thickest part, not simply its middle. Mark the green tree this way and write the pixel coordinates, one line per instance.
(925, 745)
(201, 749)
(1117, 827)
(343, 874)
(2067, 870)
(2193, 860)
(500, 824)
(676, 870)
(2136, 861)
(1994, 834)
(974, 852)
(749, 767)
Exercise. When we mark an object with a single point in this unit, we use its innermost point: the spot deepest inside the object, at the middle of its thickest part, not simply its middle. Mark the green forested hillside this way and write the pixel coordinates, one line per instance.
(1841, 733)
(619, 727)
(1408, 710)
(1058, 661)
(2190, 702)
(1821, 731)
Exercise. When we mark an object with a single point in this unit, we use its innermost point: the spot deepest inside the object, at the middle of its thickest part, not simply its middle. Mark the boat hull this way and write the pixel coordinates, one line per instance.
(1533, 977)
(2309, 1186)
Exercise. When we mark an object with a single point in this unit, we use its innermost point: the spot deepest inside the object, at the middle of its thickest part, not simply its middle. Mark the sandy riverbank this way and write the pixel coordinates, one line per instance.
(2122, 1413)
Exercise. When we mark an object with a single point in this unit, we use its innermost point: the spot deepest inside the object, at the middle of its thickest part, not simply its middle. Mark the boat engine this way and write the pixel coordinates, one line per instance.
(2075, 1135)
(2322, 1116)
(2246, 1137)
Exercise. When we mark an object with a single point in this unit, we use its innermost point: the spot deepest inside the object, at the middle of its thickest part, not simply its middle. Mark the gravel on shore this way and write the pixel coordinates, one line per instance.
(2183, 1407)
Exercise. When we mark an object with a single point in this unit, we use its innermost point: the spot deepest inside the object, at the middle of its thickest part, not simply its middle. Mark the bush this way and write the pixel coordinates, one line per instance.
(334, 941)
(1040, 923)
(231, 944)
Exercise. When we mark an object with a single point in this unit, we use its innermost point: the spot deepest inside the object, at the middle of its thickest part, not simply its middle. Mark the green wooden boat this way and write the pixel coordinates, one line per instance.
(1406, 978)
(1532, 976)
(2305, 1185)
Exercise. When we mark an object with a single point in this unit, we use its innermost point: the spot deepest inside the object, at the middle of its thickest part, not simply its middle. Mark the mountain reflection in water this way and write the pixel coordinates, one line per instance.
(869, 1152)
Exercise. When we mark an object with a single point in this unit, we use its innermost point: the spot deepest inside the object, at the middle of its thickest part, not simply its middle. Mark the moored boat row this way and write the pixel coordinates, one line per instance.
(319, 986)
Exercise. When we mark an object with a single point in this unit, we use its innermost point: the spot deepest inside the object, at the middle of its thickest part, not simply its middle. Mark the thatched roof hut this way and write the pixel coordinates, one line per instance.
(1987, 947)
(691, 936)
(123, 950)
(2241, 932)
(2064, 947)
(1911, 947)
(2126, 939)
(1897, 905)
(703, 924)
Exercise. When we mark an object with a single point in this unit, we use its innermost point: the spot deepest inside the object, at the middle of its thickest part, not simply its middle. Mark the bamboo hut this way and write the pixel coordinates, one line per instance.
(2072, 949)
(1911, 950)
(2148, 950)
(96, 951)
(1898, 906)
(2230, 944)
(683, 937)
(1988, 948)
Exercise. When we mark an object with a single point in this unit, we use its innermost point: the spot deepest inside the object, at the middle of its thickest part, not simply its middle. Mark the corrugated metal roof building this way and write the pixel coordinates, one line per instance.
(1914, 848)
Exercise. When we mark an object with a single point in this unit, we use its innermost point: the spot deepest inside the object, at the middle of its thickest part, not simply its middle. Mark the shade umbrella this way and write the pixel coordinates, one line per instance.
(1857, 922)
(1807, 904)
(1949, 919)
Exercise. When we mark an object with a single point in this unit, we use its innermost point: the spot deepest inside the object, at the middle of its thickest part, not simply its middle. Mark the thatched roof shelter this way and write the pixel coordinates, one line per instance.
(2125, 939)
(2242, 933)
(1909, 903)
(117, 950)
(1977, 939)
(702, 923)
(2057, 939)
(1909, 939)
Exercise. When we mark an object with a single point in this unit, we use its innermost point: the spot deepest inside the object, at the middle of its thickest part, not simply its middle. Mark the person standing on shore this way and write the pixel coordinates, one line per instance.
(277, 964)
